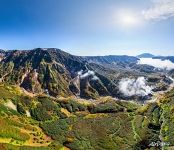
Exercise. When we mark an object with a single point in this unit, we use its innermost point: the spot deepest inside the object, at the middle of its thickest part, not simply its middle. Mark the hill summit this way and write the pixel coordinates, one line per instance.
(146, 55)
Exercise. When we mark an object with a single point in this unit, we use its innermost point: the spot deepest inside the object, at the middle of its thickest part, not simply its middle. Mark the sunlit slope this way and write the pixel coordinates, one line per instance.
(54, 123)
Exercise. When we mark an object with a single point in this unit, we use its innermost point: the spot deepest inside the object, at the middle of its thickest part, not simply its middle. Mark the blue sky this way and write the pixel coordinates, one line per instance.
(89, 27)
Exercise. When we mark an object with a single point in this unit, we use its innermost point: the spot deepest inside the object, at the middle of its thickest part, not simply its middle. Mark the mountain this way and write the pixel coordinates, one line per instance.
(41, 70)
(121, 60)
(54, 72)
(2, 53)
(145, 55)
(57, 73)
(121, 63)
(44, 102)
(148, 55)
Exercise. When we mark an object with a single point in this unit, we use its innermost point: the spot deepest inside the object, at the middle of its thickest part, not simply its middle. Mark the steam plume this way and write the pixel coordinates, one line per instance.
(87, 74)
(134, 87)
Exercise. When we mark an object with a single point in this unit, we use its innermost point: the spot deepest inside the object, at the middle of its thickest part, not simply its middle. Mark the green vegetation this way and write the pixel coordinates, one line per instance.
(72, 105)
(8, 131)
(77, 125)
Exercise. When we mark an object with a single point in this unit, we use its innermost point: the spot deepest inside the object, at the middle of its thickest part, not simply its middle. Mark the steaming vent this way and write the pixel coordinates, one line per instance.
(135, 88)
(87, 74)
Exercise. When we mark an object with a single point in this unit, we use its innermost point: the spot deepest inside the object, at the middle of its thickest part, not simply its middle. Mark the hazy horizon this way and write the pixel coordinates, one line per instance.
(85, 55)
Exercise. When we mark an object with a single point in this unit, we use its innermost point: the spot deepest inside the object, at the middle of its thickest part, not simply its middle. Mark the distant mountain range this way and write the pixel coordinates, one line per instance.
(148, 55)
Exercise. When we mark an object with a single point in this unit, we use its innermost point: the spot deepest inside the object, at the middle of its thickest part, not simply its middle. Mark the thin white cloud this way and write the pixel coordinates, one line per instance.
(161, 10)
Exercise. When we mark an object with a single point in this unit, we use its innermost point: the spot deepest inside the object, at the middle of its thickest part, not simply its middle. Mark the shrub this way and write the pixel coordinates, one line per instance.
(40, 114)
(56, 129)
(20, 109)
(73, 106)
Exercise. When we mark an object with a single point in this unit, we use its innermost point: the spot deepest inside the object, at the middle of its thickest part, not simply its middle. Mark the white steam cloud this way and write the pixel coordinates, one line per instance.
(161, 10)
(134, 87)
(87, 74)
(157, 63)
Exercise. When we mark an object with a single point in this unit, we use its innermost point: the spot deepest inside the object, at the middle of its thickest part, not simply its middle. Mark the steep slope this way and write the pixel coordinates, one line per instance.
(51, 71)
(57, 73)
(35, 71)
(75, 124)
(2, 53)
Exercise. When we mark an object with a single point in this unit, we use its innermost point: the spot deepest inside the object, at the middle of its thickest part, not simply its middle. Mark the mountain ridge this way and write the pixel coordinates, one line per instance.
(74, 99)
(57, 73)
